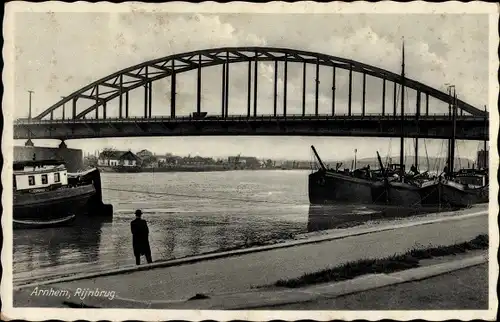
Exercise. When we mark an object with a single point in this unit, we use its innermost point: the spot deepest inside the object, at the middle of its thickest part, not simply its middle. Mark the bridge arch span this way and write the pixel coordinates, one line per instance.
(156, 69)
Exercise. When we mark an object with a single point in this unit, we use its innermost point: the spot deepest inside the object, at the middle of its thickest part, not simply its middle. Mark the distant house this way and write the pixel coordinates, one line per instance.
(161, 159)
(247, 162)
(143, 154)
(118, 158)
(196, 161)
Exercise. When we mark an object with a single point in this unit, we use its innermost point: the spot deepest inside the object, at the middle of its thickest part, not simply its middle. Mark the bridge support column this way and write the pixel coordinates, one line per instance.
(104, 110)
(126, 105)
(383, 97)
(223, 91)
(198, 87)
(226, 112)
(350, 91)
(150, 98)
(285, 84)
(304, 71)
(333, 90)
(146, 92)
(74, 108)
(249, 89)
(63, 145)
(275, 96)
(255, 82)
(51, 115)
(364, 95)
(395, 97)
(120, 98)
(316, 96)
(427, 104)
(417, 114)
(173, 88)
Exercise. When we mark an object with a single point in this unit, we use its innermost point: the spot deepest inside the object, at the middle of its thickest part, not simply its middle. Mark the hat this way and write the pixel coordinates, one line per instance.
(138, 212)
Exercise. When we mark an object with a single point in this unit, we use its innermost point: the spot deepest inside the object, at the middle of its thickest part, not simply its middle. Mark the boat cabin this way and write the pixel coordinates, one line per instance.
(39, 175)
(472, 178)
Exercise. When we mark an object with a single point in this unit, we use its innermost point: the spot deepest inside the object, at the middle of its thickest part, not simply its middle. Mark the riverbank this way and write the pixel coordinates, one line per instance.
(195, 169)
(394, 263)
(462, 289)
(241, 271)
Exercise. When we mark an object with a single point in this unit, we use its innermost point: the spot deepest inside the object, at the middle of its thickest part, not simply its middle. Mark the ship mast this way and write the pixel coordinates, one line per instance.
(485, 155)
(318, 158)
(454, 132)
(402, 147)
(451, 141)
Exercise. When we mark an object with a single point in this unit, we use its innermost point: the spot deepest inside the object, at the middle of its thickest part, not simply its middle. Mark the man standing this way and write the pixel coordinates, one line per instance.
(140, 238)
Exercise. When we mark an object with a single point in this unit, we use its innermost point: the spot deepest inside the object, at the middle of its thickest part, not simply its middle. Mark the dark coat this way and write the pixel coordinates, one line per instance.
(140, 236)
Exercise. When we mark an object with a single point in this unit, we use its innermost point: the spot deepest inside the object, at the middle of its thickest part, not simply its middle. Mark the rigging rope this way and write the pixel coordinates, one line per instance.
(427, 156)
(201, 197)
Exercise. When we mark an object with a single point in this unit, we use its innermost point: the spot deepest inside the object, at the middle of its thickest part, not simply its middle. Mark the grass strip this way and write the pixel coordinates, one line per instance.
(391, 264)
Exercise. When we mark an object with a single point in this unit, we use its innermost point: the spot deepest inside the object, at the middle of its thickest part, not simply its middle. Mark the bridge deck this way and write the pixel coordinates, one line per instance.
(423, 126)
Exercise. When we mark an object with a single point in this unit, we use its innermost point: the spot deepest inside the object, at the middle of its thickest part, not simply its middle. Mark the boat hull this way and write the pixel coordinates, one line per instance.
(447, 194)
(53, 205)
(36, 224)
(336, 188)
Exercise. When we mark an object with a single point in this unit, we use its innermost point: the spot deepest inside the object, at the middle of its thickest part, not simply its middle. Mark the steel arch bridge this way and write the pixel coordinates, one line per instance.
(95, 97)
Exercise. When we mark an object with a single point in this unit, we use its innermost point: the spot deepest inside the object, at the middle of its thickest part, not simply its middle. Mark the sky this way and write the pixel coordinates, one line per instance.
(55, 56)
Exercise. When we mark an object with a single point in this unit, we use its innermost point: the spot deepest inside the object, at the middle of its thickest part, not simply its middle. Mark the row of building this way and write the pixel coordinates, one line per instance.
(147, 159)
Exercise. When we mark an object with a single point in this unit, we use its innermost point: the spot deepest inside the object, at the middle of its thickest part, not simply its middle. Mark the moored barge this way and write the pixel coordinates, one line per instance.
(46, 195)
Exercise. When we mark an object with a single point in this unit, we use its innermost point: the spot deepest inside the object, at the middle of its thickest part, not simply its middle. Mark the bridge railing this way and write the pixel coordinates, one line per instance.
(269, 117)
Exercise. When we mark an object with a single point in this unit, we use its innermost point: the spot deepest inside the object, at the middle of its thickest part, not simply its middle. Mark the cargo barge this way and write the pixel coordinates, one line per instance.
(46, 195)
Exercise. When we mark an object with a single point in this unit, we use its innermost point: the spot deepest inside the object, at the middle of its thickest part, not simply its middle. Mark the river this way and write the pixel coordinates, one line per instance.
(187, 214)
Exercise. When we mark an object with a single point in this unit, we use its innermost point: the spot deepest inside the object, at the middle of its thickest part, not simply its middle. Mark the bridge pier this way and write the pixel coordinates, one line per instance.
(63, 145)
(120, 98)
(395, 97)
(29, 143)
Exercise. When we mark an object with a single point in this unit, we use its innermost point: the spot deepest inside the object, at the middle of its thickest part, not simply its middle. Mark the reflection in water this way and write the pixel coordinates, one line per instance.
(195, 238)
(336, 217)
(221, 233)
(37, 251)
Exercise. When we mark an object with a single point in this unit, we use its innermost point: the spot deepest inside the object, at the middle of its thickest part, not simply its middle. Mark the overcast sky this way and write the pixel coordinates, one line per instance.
(58, 53)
